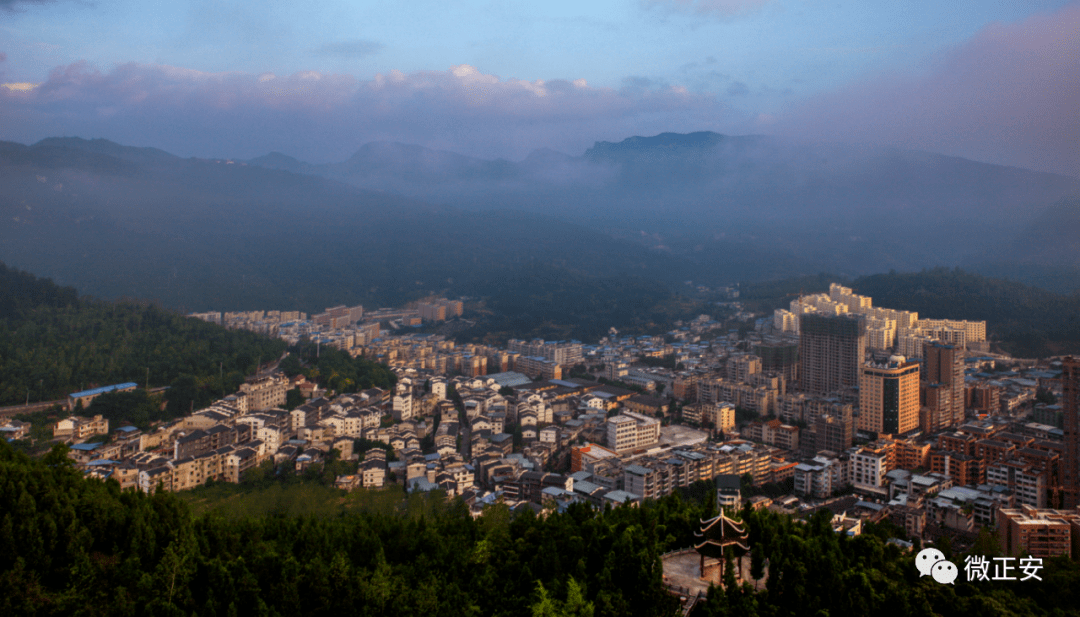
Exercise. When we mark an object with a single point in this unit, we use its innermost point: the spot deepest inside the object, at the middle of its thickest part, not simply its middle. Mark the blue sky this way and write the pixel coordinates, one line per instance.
(120, 69)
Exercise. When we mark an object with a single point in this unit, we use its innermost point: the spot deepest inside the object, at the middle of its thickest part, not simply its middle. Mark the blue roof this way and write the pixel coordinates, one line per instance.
(422, 484)
(621, 496)
(103, 389)
(584, 486)
(101, 461)
(85, 447)
(127, 429)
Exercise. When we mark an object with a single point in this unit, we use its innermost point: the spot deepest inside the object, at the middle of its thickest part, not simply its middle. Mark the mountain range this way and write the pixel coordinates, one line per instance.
(395, 222)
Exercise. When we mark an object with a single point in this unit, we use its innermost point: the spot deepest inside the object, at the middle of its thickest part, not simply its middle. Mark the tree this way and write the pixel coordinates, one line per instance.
(294, 398)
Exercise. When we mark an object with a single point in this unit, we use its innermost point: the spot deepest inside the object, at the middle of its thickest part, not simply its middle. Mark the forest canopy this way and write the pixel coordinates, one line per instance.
(53, 343)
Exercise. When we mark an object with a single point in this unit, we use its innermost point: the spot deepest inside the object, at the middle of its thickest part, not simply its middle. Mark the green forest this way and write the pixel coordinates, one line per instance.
(71, 546)
(336, 369)
(557, 303)
(53, 343)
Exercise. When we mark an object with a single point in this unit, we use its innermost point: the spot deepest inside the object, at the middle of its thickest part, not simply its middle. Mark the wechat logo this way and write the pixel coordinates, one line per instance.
(931, 561)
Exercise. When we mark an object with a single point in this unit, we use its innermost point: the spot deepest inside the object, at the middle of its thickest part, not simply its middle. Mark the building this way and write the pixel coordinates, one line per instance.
(831, 352)
(557, 352)
(834, 432)
(1070, 407)
(728, 491)
(87, 396)
(1039, 533)
(889, 396)
(77, 428)
(440, 309)
(629, 431)
(869, 466)
(741, 367)
(265, 393)
(780, 358)
(944, 369)
(583, 458)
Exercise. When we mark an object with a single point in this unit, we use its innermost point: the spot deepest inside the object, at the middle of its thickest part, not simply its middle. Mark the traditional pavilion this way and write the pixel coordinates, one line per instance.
(715, 536)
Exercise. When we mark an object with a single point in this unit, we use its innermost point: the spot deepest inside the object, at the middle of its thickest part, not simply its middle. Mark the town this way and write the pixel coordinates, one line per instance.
(871, 413)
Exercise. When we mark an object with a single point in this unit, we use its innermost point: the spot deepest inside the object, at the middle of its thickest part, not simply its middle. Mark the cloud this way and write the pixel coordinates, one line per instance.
(325, 117)
(3, 56)
(713, 8)
(359, 48)
(1007, 95)
(14, 5)
(738, 88)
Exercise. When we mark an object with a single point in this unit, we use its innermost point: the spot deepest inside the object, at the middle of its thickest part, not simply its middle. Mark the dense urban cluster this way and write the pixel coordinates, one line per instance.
(942, 441)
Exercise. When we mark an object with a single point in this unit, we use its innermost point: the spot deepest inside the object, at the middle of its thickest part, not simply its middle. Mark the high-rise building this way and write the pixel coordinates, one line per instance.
(944, 364)
(834, 432)
(889, 397)
(1070, 407)
(831, 352)
(741, 367)
(780, 358)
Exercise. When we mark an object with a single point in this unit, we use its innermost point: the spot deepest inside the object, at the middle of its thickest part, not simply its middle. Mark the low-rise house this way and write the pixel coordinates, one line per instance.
(77, 428)
(15, 429)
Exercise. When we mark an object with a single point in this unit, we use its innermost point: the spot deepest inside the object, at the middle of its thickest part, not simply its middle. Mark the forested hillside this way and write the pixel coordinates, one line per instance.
(52, 343)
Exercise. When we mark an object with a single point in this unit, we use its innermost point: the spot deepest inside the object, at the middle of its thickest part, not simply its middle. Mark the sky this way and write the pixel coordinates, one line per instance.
(992, 80)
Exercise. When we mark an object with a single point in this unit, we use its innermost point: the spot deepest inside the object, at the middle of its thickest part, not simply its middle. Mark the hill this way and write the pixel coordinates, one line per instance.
(710, 198)
(656, 211)
(53, 343)
(201, 235)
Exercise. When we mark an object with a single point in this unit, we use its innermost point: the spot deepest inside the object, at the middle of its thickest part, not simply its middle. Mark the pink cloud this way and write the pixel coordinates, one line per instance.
(1008, 95)
(327, 117)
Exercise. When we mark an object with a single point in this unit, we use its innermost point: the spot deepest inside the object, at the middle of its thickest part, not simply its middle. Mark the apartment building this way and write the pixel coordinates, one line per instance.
(1037, 532)
(831, 352)
(265, 393)
(870, 464)
(629, 431)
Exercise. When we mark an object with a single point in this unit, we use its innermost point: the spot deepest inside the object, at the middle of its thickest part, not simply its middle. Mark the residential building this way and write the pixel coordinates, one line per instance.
(870, 464)
(265, 393)
(944, 365)
(78, 428)
(834, 432)
(889, 397)
(629, 431)
(1038, 533)
(1070, 407)
(831, 352)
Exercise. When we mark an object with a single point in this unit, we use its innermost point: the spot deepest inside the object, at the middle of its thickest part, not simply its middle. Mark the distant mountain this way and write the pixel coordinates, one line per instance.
(199, 235)
(704, 196)
(277, 160)
(397, 222)
(1043, 252)
(108, 148)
